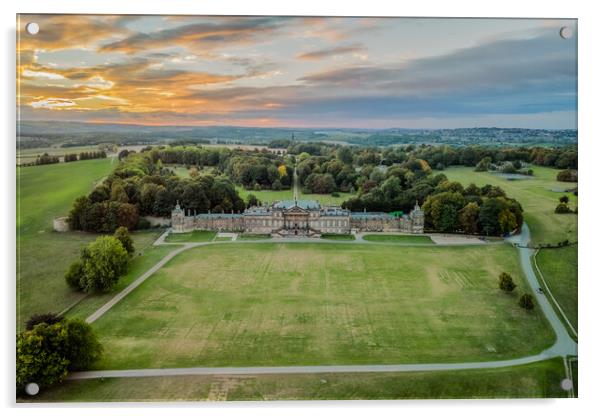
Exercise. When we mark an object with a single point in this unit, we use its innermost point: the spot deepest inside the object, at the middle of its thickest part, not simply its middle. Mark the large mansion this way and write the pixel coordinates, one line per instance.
(298, 218)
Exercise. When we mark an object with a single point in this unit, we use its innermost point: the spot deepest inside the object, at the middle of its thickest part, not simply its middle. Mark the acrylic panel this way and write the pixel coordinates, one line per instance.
(295, 208)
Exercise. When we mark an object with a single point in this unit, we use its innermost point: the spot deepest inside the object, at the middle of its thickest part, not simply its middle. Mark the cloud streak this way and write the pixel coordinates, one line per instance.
(330, 52)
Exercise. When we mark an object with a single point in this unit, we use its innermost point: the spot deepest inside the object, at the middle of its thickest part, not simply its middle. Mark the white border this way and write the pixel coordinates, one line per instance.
(589, 212)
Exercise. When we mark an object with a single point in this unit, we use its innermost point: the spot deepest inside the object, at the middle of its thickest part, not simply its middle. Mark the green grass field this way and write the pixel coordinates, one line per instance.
(537, 198)
(192, 237)
(30, 155)
(407, 239)
(43, 256)
(272, 196)
(146, 256)
(559, 266)
(302, 303)
(339, 237)
(537, 380)
(245, 236)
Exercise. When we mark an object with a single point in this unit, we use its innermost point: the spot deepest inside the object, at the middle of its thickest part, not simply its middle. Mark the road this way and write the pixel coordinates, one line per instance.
(562, 347)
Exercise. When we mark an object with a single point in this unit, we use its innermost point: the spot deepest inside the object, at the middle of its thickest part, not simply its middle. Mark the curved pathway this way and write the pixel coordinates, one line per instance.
(563, 346)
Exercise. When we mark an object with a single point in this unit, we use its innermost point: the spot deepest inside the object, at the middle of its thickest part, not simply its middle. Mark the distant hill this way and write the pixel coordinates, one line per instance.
(46, 133)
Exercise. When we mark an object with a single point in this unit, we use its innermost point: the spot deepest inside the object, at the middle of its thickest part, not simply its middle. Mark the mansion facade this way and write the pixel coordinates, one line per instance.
(304, 218)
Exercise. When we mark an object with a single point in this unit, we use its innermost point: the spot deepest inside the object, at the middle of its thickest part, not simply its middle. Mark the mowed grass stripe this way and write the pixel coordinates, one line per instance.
(308, 304)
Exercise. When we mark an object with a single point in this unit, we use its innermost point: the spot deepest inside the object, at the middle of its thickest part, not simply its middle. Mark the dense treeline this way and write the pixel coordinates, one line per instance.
(260, 170)
(250, 169)
(390, 179)
(46, 159)
(101, 154)
(140, 186)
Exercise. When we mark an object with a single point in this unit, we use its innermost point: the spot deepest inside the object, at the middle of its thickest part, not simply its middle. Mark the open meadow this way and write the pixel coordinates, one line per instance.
(43, 255)
(305, 304)
(287, 194)
(538, 195)
(559, 267)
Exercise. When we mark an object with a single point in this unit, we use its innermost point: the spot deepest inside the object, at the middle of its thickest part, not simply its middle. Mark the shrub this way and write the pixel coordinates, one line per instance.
(526, 302)
(122, 234)
(83, 348)
(48, 318)
(562, 208)
(506, 283)
(564, 199)
(567, 175)
(74, 275)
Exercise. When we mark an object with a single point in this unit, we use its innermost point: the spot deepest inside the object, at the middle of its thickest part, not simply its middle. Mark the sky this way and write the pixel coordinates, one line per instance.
(269, 71)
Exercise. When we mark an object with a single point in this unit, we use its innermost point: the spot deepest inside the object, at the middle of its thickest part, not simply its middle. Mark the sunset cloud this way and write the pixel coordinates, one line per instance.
(301, 71)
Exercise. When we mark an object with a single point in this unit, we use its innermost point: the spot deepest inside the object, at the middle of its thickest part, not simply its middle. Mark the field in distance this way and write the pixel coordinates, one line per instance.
(538, 196)
(306, 304)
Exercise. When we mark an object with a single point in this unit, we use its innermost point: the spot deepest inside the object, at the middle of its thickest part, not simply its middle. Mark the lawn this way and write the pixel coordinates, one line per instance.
(559, 267)
(43, 256)
(196, 236)
(245, 236)
(537, 380)
(339, 237)
(537, 198)
(272, 196)
(303, 304)
(391, 238)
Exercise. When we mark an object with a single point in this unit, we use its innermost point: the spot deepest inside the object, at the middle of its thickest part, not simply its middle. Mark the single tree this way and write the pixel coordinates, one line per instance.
(564, 199)
(74, 275)
(48, 351)
(506, 283)
(40, 356)
(103, 262)
(526, 301)
(83, 348)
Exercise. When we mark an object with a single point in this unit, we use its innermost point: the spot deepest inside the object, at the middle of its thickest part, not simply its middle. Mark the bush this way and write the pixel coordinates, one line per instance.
(506, 283)
(123, 235)
(83, 348)
(564, 199)
(48, 318)
(567, 175)
(104, 261)
(74, 275)
(562, 208)
(526, 302)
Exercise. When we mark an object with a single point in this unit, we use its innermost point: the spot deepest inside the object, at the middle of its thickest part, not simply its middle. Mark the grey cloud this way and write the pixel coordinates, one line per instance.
(329, 52)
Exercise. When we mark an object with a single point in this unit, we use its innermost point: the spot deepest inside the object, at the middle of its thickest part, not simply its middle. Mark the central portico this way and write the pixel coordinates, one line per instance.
(296, 217)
